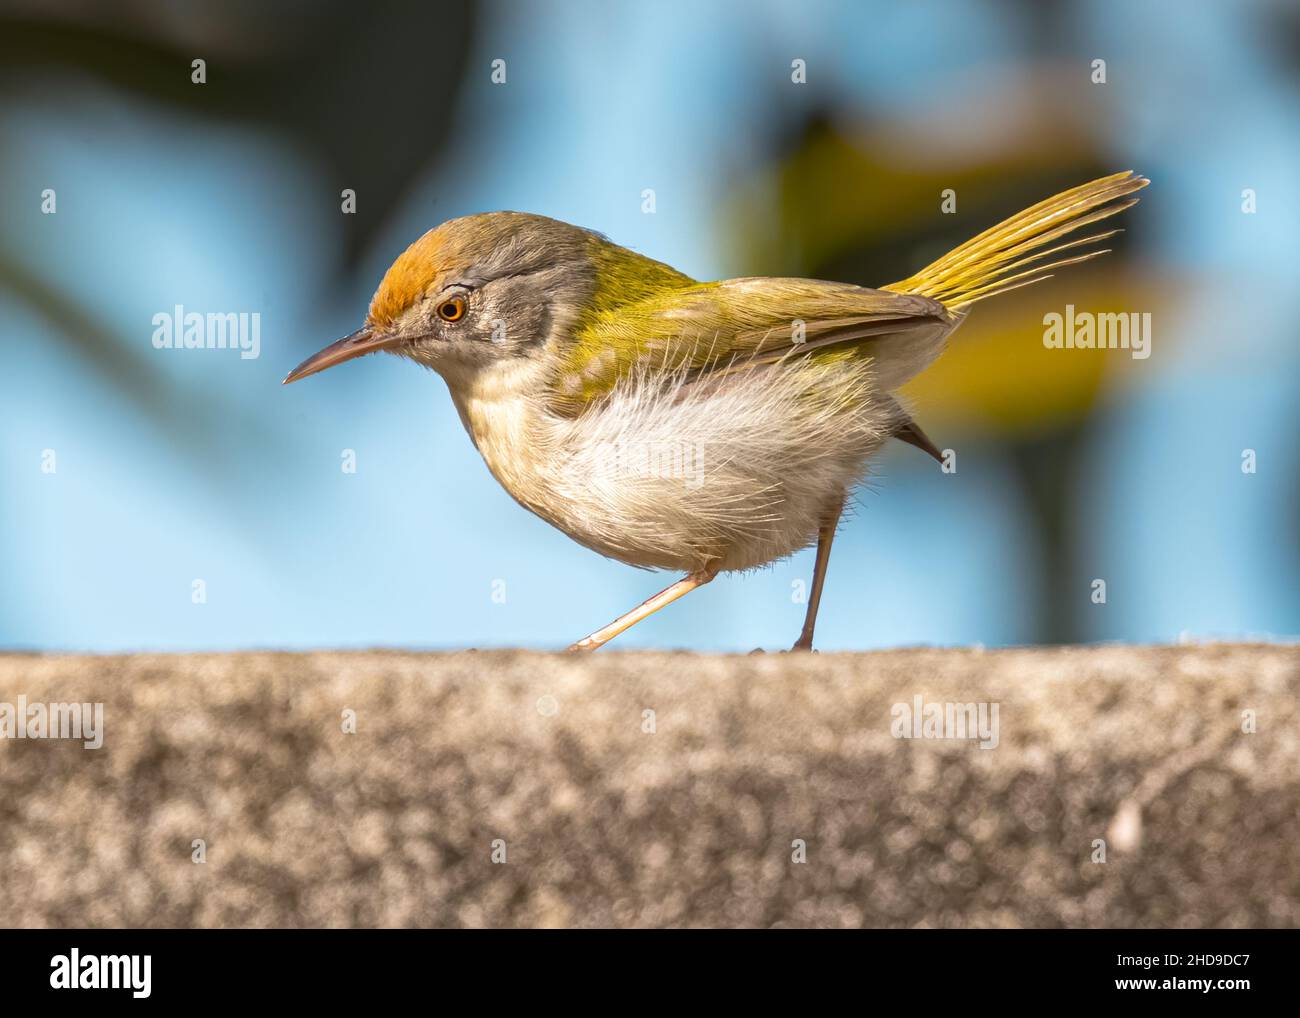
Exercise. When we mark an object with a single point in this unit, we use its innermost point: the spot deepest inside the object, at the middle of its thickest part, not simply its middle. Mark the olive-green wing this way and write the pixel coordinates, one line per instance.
(707, 329)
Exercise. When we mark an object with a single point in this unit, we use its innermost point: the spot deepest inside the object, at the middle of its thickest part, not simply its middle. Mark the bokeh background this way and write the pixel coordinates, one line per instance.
(1072, 465)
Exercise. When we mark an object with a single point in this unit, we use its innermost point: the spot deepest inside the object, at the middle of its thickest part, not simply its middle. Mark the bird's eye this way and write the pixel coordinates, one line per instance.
(452, 310)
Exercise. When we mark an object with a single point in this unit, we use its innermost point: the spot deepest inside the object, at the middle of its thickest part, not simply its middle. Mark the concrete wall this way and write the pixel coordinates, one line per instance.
(607, 824)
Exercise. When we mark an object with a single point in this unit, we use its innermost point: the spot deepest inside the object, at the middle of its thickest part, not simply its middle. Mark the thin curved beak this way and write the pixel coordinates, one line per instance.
(360, 343)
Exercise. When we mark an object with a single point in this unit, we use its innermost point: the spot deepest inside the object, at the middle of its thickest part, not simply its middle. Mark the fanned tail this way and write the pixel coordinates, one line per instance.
(986, 265)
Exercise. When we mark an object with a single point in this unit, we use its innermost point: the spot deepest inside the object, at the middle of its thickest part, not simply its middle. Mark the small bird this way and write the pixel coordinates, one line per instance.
(674, 424)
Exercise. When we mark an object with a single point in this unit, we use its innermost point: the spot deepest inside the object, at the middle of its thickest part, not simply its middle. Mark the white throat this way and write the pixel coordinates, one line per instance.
(497, 405)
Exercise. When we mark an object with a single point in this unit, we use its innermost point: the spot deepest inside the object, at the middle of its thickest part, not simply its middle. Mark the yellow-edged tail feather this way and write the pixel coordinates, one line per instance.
(986, 265)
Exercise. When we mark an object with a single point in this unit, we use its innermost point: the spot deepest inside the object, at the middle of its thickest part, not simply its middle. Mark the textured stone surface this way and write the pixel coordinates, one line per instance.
(693, 824)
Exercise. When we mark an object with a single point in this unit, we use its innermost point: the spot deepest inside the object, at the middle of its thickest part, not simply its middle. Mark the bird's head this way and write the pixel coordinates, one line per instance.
(473, 292)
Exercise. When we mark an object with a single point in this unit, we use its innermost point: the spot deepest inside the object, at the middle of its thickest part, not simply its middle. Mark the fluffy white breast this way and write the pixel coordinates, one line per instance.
(679, 477)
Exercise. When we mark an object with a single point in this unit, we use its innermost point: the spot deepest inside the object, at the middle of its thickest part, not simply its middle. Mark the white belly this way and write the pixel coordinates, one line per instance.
(734, 479)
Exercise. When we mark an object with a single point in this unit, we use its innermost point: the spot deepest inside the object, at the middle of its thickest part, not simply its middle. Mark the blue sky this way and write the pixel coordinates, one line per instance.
(239, 484)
